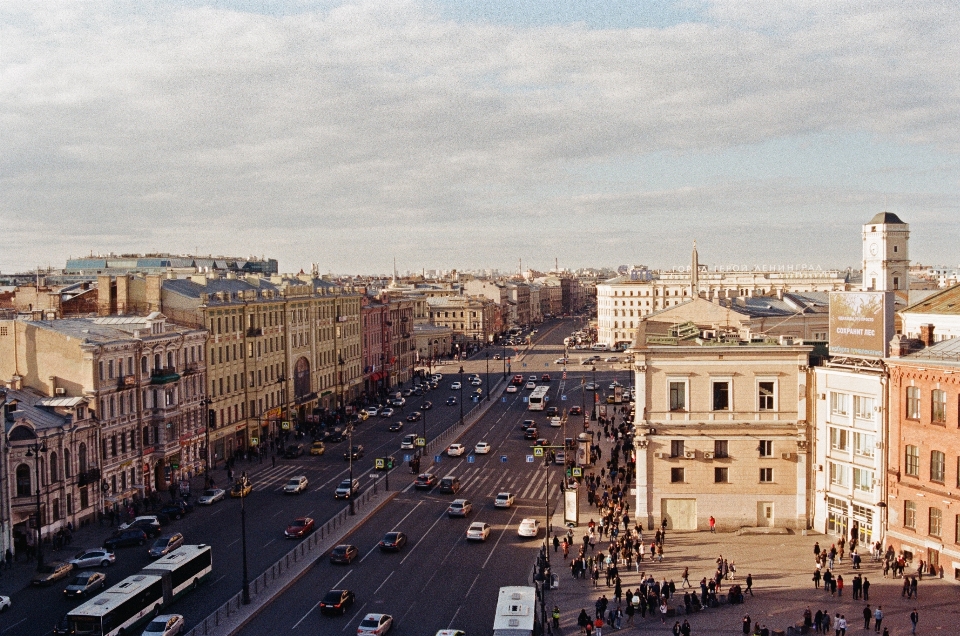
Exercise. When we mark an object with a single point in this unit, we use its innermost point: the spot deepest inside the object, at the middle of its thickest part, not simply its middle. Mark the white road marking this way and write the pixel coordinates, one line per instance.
(377, 591)
(305, 616)
(442, 515)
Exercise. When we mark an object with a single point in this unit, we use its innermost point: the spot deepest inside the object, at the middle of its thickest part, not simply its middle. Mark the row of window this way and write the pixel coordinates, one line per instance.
(123, 402)
(938, 464)
(842, 440)
(721, 448)
(863, 406)
(934, 520)
(720, 476)
(722, 395)
(938, 405)
(840, 476)
(117, 368)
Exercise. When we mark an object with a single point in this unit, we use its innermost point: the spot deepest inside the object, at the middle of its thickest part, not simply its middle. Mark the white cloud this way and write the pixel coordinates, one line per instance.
(371, 129)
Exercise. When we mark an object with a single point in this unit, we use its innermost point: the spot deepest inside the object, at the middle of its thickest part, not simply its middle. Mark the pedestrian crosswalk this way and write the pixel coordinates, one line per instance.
(482, 482)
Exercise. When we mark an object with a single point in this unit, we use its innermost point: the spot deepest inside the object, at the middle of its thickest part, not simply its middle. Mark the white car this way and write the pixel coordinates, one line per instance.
(4, 603)
(476, 382)
(375, 624)
(478, 531)
(531, 385)
(152, 519)
(456, 386)
(511, 388)
(555, 421)
(296, 485)
(482, 448)
(611, 359)
(165, 625)
(387, 412)
(456, 450)
(211, 496)
(451, 632)
(504, 500)
(408, 441)
(561, 361)
(372, 411)
(436, 377)
(529, 528)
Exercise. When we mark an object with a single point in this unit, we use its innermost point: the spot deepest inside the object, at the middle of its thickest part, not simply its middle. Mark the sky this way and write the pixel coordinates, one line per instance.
(468, 134)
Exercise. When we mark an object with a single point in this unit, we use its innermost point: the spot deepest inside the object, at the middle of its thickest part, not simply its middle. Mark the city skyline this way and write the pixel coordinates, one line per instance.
(466, 135)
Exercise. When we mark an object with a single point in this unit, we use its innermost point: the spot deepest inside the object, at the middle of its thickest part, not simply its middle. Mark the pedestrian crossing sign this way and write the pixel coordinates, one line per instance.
(503, 460)
(471, 459)
(421, 441)
(577, 471)
(538, 452)
(379, 463)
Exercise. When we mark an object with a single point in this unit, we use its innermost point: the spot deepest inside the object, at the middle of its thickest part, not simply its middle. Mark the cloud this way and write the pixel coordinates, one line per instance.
(350, 133)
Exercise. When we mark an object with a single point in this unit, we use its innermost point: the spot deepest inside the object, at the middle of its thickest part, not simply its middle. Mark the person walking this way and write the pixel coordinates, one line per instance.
(839, 585)
(842, 626)
(914, 619)
(749, 585)
(686, 578)
(746, 624)
(866, 589)
(877, 619)
(663, 611)
(816, 578)
(556, 617)
(713, 525)
(867, 615)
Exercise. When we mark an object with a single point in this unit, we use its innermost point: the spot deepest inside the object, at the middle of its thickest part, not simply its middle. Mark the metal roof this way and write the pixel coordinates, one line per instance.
(945, 302)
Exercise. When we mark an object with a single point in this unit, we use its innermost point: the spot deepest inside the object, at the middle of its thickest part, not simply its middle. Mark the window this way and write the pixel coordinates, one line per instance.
(864, 444)
(863, 480)
(935, 522)
(910, 514)
(913, 403)
(862, 407)
(676, 448)
(938, 406)
(937, 466)
(720, 449)
(766, 475)
(721, 476)
(911, 461)
(839, 474)
(23, 481)
(956, 528)
(721, 396)
(766, 448)
(839, 403)
(676, 475)
(678, 396)
(839, 439)
(765, 396)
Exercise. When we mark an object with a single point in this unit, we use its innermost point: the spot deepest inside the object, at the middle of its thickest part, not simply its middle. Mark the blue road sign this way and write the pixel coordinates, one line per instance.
(529, 459)
(471, 459)
(503, 459)
(503, 399)
(563, 398)
(406, 457)
(436, 459)
(524, 400)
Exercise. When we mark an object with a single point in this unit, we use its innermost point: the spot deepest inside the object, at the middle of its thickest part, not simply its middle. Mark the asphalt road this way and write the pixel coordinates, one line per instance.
(440, 580)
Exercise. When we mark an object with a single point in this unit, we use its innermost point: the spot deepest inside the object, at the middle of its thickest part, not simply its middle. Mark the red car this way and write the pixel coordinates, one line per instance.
(299, 528)
(545, 377)
(576, 410)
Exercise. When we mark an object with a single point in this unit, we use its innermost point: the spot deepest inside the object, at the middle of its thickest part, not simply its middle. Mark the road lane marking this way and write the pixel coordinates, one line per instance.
(377, 591)
(360, 613)
(410, 551)
(509, 523)
(269, 542)
(470, 589)
(305, 617)
(337, 586)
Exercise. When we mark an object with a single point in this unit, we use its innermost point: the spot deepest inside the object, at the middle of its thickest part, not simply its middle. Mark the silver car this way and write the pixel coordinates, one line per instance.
(211, 496)
(165, 545)
(93, 558)
(85, 584)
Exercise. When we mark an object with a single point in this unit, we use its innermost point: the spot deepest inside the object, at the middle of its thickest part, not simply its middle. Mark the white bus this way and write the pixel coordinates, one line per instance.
(516, 611)
(134, 600)
(538, 399)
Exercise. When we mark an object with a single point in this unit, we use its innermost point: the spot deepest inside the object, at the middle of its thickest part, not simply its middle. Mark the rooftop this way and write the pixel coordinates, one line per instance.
(942, 302)
(888, 218)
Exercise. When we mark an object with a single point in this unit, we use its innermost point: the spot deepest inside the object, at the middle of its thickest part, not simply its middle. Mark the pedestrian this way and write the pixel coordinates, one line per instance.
(877, 619)
(914, 619)
(685, 628)
(273, 460)
(686, 578)
(842, 626)
(746, 624)
(913, 587)
(9, 558)
(598, 626)
(713, 524)
(867, 615)
(816, 578)
(840, 585)
(663, 611)
(676, 629)
(556, 617)
(866, 589)
(749, 585)
(556, 543)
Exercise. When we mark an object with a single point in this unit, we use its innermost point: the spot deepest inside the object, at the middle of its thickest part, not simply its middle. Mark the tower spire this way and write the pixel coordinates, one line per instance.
(694, 272)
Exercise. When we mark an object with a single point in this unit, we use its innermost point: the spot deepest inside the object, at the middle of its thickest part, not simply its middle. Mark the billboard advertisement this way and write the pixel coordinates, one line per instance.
(861, 323)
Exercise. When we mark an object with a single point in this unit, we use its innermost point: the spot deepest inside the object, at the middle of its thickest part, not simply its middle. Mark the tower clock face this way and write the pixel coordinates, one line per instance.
(873, 249)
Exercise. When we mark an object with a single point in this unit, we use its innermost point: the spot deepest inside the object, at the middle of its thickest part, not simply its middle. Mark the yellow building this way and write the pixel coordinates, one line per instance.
(722, 430)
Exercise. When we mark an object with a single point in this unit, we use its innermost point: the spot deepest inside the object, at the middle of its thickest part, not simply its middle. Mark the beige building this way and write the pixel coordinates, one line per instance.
(722, 431)
(471, 318)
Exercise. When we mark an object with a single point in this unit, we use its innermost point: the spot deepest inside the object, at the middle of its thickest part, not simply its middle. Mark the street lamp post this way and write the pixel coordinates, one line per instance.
(34, 450)
(503, 342)
(487, 356)
(245, 598)
(596, 390)
(350, 457)
(205, 404)
(461, 396)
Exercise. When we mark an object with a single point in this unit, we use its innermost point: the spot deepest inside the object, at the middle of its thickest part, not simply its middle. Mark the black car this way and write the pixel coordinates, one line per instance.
(337, 602)
(125, 538)
(355, 452)
(293, 451)
(396, 426)
(62, 628)
(451, 401)
(552, 411)
(176, 510)
(335, 436)
(393, 541)
(426, 406)
(149, 528)
(344, 553)
(415, 416)
(530, 433)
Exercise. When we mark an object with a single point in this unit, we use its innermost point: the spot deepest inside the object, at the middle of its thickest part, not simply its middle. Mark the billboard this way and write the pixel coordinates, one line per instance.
(861, 323)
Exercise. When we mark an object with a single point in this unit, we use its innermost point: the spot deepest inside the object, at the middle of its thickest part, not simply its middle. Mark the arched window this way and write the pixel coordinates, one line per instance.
(23, 481)
(53, 468)
(82, 457)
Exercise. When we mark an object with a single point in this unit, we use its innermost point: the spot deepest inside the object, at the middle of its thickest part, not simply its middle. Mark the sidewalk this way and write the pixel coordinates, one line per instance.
(782, 566)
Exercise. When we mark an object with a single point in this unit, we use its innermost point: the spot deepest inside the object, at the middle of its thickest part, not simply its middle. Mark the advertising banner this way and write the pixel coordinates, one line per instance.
(861, 323)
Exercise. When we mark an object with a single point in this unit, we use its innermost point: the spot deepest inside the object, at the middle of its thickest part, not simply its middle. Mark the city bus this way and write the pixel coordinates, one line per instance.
(136, 599)
(516, 611)
(538, 399)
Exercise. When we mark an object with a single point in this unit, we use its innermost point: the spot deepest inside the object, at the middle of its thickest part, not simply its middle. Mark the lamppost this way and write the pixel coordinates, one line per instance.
(593, 409)
(340, 364)
(487, 356)
(211, 414)
(245, 598)
(503, 343)
(34, 450)
(583, 402)
(461, 396)
(350, 457)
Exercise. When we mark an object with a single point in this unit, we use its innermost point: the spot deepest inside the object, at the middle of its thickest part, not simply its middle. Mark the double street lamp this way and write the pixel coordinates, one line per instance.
(205, 403)
(34, 450)
(350, 457)
(245, 598)
(487, 356)
(461, 396)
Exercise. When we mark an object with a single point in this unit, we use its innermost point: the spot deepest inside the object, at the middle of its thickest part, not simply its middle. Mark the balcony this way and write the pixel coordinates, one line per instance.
(91, 476)
(164, 375)
(254, 332)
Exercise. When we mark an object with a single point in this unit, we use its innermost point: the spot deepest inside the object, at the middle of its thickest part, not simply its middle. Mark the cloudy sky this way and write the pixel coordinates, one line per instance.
(469, 133)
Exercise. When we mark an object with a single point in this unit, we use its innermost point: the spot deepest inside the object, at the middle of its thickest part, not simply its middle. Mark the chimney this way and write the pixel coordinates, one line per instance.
(926, 335)
(105, 300)
(153, 287)
(123, 294)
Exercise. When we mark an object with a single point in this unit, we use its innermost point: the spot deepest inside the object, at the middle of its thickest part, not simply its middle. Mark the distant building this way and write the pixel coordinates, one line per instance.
(114, 265)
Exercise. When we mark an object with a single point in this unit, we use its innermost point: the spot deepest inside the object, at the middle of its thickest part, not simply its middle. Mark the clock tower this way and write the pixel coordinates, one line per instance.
(886, 261)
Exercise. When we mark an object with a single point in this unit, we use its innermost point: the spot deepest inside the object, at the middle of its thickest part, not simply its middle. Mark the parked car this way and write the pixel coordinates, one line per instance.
(375, 625)
(317, 448)
(344, 553)
(211, 496)
(425, 481)
(93, 558)
(176, 509)
(299, 528)
(337, 602)
(296, 485)
(355, 452)
(393, 541)
(504, 500)
(136, 520)
(165, 545)
(125, 538)
(459, 508)
(346, 489)
(165, 625)
(293, 451)
(51, 572)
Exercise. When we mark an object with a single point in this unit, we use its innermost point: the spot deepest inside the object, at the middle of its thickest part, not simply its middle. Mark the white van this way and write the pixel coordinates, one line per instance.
(599, 346)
